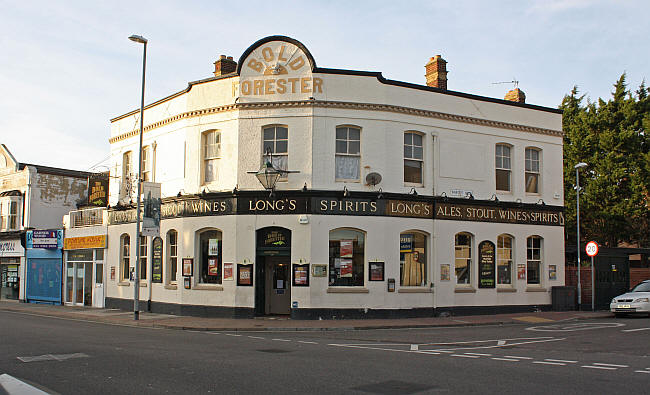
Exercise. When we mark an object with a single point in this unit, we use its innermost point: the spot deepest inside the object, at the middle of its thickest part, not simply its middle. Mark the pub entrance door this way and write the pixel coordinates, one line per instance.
(272, 271)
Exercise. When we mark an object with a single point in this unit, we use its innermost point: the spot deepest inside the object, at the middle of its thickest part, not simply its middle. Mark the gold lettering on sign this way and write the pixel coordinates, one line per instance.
(297, 63)
(280, 55)
(255, 65)
(268, 54)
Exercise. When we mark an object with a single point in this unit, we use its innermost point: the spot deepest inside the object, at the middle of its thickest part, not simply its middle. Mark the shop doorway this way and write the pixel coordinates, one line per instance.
(272, 272)
(79, 283)
(9, 279)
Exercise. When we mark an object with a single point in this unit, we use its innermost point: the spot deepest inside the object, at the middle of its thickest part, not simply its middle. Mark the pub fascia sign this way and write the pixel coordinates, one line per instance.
(477, 212)
(277, 68)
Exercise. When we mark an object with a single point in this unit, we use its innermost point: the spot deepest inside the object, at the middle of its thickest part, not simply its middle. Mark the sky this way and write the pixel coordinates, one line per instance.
(67, 67)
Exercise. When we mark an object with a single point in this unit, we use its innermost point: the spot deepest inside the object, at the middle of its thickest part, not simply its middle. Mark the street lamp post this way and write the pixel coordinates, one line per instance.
(578, 167)
(136, 278)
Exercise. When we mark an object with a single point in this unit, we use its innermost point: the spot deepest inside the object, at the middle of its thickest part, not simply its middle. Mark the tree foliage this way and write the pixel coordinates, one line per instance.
(613, 138)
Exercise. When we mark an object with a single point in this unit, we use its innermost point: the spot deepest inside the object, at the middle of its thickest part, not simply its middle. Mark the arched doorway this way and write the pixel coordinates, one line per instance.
(272, 271)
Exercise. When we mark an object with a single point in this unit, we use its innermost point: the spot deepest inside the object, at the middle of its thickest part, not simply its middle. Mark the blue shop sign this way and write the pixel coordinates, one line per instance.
(49, 239)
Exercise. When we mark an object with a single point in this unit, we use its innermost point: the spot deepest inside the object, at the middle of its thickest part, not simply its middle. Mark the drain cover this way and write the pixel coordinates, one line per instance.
(393, 387)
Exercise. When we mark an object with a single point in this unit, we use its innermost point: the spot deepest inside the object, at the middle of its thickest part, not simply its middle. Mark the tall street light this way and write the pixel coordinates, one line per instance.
(136, 284)
(578, 167)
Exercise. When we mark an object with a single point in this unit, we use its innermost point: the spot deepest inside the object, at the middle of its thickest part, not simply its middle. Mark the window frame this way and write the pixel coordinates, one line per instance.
(171, 275)
(275, 154)
(213, 159)
(412, 158)
(198, 264)
(144, 257)
(539, 261)
(499, 259)
(347, 154)
(125, 257)
(146, 163)
(359, 278)
(469, 260)
(9, 219)
(536, 173)
(497, 168)
(425, 265)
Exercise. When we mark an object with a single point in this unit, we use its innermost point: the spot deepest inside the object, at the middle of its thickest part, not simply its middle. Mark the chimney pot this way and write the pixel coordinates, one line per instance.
(436, 72)
(516, 95)
(224, 65)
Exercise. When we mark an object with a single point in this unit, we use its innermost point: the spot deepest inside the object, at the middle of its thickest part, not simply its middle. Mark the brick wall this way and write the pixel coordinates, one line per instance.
(638, 274)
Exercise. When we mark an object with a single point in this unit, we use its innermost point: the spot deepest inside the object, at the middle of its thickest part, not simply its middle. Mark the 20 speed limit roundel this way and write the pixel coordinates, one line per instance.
(592, 248)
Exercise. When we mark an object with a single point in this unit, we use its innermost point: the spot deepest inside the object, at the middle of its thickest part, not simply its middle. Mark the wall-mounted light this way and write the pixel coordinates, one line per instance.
(304, 188)
(268, 175)
(235, 190)
(413, 192)
(346, 193)
(469, 196)
(541, 201)
(380, 195)
(494, 197)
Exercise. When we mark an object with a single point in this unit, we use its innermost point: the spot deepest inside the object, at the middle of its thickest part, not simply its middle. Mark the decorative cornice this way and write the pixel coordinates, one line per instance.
(343, 105)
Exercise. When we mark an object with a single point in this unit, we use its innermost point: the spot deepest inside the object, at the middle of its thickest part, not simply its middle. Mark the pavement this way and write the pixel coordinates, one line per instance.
(167, 321)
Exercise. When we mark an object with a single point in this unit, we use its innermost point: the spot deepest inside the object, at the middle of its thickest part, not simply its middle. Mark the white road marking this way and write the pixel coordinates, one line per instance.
(465, 356)
(634, 330)
(574, 327)
(231, 334)
(12, 385)
(550, 363)
(483, 341)
(610, 364)
(598, 367)
(52, 357)
(506, 359)
(480, 355)
(256, 337)
(643, 371)
(560, 360)
(383, 349)
(306, 342)
(501, 342)
(500, 345)
(512, 356)
(281, 340)
(414, 347)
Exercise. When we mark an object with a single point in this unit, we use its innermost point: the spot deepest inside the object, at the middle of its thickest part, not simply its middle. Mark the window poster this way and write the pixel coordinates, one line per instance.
(227, 271)
(347, 249)
(188, 264)
(245, 275)
(521, 271)
(376, 271)
(213, 247)
(552, 272)
(213, 268)
(406, 243)
(445, 270)
(301, 275)
(346, 268)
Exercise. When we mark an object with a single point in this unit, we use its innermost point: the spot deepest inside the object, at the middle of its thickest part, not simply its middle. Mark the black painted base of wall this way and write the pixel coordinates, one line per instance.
(181, 309)
(323, 314)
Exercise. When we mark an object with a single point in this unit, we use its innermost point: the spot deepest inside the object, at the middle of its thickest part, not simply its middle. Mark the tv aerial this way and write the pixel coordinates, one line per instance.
(514, 81)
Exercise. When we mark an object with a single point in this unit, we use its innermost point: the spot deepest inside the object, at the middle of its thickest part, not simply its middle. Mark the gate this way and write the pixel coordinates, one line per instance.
(612, 278)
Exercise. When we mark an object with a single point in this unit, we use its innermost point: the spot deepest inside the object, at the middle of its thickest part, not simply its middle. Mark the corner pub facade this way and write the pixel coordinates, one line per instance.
(403, 200)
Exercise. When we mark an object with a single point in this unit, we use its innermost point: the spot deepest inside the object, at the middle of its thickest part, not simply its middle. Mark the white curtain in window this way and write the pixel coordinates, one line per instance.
(280, 162)
(211, 170)
(347, 167)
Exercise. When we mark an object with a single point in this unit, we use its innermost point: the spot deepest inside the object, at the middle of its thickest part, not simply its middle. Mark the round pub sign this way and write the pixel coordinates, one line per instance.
(592, 248)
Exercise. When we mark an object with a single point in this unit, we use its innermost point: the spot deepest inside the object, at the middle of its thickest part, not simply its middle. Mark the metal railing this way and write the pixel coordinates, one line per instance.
(87, 217)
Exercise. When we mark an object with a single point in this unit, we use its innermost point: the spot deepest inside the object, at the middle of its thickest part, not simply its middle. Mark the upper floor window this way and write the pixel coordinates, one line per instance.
(463, 257)
(276, 140)
(502, 167)
(211, 149)
(348, 153)
(8, 214)
(532, 170)
(413, 158)
(146, 164)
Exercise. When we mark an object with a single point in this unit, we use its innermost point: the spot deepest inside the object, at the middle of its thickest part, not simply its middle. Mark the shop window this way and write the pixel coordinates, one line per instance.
(413, 158)
(172, 256)
(211, 149)
(534, 259)
(125, 256)
(346, 257)
(413, 259)
(210, 257)
(276, 140)
(532, 170)
(146, 163)
(504, 259)
(348, 153)
(502, 167)
(463, 258)
(143, 257)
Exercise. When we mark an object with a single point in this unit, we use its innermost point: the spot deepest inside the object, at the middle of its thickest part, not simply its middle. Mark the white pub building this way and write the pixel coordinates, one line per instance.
(379, 198)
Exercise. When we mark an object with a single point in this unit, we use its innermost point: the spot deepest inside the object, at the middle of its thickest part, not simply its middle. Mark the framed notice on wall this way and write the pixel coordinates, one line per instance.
(486, 265)
(445, 270)
(188, 265)
(521, 271)
(376, 271)
(227, 270)
(301, 275)
(552, 272)
(245, 275)
(319, 270)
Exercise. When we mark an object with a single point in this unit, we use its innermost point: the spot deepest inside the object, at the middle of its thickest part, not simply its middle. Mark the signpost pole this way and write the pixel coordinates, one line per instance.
(593, 308)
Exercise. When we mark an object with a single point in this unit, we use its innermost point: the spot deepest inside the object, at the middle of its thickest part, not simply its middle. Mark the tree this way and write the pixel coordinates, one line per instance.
(612, 138)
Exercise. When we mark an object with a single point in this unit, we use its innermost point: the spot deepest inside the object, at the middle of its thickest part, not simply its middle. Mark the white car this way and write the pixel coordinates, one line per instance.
(635, 301)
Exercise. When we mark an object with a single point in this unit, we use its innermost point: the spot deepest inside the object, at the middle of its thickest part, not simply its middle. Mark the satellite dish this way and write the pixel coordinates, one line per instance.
(373, 178)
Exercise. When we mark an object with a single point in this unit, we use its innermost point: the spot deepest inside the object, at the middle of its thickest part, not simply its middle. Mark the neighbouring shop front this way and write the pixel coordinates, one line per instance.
(43, 265)
(84, 270)
(11, 253)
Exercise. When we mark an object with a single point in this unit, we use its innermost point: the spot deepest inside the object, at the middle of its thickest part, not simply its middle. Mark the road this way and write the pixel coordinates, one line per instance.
(73, 357)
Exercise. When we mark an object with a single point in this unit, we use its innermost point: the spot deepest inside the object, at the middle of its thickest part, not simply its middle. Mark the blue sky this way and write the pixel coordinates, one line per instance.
(67, 67)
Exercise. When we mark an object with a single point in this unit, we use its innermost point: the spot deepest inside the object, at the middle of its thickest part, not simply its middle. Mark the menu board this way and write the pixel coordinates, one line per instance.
(376, 271)
(157, 258)
(245, 275)
(188, 264)
(227, 271)
(301, 275)
(486, 262)
(521, 271)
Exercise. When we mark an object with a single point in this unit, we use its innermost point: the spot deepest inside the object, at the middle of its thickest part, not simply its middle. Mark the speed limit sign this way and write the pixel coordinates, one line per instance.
(592, 248)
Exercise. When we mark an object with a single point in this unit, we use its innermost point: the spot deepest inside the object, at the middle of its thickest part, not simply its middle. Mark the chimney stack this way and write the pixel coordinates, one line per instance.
(225, 65)
(516, 95)
(436, 72)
